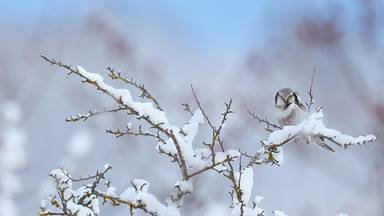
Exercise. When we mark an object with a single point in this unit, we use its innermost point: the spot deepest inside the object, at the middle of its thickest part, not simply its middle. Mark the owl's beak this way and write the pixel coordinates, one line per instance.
(286, 104)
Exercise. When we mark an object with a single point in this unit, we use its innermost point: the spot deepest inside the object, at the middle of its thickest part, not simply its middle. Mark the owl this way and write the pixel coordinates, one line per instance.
(290, 111)
(288, 108)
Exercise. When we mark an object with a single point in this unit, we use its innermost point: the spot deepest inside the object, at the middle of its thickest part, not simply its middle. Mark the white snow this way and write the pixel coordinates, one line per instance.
(140, 195)
(200, 158)
(62, 178)
(111, 191)
(63, 182)
(258, 200)
(144, 108)
(185, 186)
(246, 183)
(157, 116)
(129, 195)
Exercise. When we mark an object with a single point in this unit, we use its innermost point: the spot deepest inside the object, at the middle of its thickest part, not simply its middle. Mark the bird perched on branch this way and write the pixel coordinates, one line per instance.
(290, 111)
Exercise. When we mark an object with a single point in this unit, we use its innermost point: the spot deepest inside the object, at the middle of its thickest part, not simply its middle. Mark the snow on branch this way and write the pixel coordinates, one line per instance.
(312, 128)
(173, 141)
(178, 143)
(84, 201)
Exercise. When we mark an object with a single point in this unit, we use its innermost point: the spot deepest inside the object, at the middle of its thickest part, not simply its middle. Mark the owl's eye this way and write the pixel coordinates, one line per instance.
(279, 101)
(291, 99)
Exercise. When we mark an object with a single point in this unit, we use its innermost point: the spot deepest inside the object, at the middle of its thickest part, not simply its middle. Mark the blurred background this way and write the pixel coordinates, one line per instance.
(245, 51)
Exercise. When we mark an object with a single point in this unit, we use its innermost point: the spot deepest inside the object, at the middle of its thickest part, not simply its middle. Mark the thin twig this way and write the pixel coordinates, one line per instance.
(310, 92)
(265, 121)
(92, 113)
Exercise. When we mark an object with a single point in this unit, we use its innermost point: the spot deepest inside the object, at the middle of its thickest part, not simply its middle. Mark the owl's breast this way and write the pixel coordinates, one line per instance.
(291, 116)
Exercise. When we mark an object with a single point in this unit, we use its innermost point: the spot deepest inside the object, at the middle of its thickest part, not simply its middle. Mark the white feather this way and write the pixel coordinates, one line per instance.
(293, 115)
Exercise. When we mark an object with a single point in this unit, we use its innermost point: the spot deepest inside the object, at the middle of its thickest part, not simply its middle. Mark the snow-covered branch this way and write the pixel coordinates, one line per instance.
(311, 129)
(84, 201)
(178, 143)
(173, 141)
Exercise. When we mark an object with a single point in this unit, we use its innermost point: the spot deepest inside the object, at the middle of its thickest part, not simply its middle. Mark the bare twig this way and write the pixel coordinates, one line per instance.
(187, 108)
(265, 121)
(201, 108)
(119, 133)
(92, 113)
(310, 92)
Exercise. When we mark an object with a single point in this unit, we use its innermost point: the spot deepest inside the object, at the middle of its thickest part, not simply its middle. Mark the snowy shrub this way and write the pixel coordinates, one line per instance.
(83, 196)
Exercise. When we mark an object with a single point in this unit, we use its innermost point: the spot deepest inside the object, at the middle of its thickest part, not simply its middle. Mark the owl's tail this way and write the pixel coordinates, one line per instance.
(321, 142)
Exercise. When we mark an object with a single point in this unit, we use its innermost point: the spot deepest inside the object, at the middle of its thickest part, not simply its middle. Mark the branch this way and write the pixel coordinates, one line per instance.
(265, 121)
(85, 199)
(92, 113)
(153, 116)
(144, 92)
(119, 133)
(313, 128)
(310, 92)
(180, 139)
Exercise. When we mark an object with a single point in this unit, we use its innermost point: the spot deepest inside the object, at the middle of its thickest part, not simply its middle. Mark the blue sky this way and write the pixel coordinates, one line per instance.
(213, 24)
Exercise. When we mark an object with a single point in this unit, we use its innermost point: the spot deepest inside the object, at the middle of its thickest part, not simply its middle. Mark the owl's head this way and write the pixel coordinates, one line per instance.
(285, 97)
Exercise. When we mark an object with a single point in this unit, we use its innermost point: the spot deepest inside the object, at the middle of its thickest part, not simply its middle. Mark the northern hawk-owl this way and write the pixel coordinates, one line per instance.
(290, 111)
